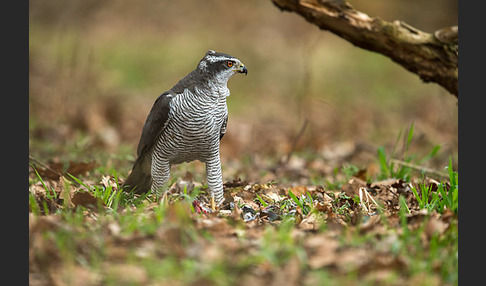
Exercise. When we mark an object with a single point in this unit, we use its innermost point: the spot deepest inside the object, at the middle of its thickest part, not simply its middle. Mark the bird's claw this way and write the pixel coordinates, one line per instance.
(199, 208)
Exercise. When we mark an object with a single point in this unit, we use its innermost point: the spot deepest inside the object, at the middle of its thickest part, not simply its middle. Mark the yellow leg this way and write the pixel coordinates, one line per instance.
(213, 204)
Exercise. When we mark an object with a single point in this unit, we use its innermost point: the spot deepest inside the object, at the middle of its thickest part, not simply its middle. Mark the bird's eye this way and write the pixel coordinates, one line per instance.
(229, 63)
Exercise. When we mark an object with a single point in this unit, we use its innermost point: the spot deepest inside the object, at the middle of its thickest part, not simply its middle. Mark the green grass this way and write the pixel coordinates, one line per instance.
(163, 240)
(390, 169)
(304, 202)
(80, 240)
(445, 197)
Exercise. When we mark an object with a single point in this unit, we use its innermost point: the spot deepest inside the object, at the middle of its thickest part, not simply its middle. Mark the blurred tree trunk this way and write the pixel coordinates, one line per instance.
(433, 57)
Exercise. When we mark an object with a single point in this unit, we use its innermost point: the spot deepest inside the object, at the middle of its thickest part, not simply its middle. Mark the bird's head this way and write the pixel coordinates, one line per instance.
(221, 66)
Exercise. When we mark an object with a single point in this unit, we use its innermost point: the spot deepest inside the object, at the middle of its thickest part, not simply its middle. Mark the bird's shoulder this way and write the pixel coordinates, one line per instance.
(159, 114)
(155, 121)
(189, 82)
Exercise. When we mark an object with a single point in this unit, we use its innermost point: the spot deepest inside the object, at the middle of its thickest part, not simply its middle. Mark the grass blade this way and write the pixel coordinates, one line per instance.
(264, 204)
(383, 162)
(452, 174)
(296, 200)
(50, 193)
(78, 181)
(430, 155)
(417, 197)
(409, 138)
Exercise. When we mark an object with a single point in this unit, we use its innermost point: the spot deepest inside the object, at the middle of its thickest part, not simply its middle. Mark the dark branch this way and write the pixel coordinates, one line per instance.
(433, 57)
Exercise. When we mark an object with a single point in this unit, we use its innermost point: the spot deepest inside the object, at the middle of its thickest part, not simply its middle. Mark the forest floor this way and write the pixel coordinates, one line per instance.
(391, 223)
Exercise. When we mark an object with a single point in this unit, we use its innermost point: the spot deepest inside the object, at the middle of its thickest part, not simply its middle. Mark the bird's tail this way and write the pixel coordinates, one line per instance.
(140, 179)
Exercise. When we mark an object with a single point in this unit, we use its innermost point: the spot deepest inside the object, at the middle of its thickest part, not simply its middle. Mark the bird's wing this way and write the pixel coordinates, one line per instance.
(155, 122)
(223, 128)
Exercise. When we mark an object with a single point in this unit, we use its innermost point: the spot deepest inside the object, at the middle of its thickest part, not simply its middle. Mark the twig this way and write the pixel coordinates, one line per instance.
(34, 162)
(420, 168)
(294, 143)
(366, 199)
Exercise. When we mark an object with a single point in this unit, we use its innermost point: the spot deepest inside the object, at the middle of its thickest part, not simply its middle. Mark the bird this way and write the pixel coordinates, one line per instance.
(186, 123)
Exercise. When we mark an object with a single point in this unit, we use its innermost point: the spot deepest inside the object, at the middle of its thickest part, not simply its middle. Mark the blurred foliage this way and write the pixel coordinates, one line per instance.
(96, 67)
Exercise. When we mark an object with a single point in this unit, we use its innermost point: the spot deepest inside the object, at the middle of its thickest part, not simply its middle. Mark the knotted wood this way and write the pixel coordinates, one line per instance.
(433, 57)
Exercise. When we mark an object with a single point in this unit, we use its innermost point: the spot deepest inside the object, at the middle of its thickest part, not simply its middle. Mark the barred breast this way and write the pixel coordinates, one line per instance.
(193, 128)
(192, 132)
(185, 124)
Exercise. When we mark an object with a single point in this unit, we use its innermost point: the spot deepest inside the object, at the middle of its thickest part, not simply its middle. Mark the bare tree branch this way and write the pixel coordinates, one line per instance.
(433, 57)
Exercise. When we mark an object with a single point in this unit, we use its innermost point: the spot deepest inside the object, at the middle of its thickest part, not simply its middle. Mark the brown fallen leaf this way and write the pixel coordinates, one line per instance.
(351, 259)
(80, 168)
(299, 190)
(311, 222)
(52, 170)
(42, 248)
(108, 181)
(290, 273)
(236, 213)
(435, 226)
(372, 223)
(127, 274)
(44, 223)
(352, 186)
(74, 275)
(321, 250)
(86, 200)
(216, 226)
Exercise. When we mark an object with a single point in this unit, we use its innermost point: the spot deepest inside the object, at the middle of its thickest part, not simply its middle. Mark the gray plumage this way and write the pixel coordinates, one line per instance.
(186, 123)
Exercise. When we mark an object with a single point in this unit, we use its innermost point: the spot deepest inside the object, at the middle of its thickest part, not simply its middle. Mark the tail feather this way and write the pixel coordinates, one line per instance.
(140, 179)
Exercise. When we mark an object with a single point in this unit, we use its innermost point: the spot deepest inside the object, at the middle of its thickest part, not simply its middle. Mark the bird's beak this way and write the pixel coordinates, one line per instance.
(243, 69)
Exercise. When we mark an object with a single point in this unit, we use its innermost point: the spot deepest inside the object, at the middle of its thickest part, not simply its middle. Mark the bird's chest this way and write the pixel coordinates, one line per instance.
(193, 130)
(206, 116)
(196, 122)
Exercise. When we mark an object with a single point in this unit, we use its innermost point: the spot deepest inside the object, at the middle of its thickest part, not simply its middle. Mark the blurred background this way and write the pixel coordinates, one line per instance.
(96, 67)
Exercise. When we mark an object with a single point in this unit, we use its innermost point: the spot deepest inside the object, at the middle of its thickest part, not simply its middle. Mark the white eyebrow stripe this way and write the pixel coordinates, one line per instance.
(214, 59)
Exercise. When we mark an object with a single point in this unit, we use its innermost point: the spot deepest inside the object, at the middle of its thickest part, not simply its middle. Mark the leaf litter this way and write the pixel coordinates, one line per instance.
(264, 232)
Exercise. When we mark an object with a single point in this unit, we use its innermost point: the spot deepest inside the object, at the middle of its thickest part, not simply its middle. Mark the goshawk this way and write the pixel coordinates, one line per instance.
(186, 123)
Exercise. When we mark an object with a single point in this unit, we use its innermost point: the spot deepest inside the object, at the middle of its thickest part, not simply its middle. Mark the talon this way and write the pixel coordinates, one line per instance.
(198, 208)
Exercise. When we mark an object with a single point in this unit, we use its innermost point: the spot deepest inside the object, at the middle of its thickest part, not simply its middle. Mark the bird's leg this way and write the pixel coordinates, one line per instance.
(160, 170)
(213, 204)
(215, 181)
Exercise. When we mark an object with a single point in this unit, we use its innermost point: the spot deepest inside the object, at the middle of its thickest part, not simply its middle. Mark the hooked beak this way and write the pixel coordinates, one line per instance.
(242, 69)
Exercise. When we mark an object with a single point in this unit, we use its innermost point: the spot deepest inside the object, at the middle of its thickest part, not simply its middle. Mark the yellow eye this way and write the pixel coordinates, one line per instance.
(229, 63)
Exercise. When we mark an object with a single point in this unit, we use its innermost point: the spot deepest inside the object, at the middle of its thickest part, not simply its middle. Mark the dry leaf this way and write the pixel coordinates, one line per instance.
(352, 186)
(290, 274)
(321, 250)
(52, 170)
(351, 259)
(80, 168)
(435, 226)
(311, 222)
(108, 181)
(86, 200)
(299, 190)
(74, 275)
(127, 274)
